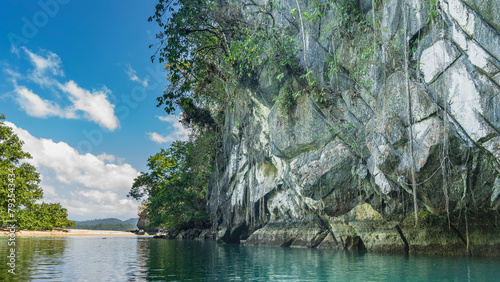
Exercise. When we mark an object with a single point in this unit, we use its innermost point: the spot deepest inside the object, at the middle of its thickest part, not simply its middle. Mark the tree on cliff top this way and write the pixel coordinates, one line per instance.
(19, 190)
(195, 34)
(206, 43)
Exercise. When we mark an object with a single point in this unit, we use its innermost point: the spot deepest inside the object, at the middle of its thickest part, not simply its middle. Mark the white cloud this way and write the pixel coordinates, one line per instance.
(100, 197)
(14, 76)
(83, 208)
(49, 191)
(179, 132)
(45, 66)
(81, 103)
(106, 157)
(157, 138)
(35, 106)
(132, 75)
(94, 104)
(86, 185)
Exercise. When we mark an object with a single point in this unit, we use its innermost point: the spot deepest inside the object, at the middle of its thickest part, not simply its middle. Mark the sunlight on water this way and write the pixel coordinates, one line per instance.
(140, 259)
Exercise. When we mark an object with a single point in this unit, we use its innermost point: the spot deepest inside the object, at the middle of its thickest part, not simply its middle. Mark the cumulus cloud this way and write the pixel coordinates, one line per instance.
(36, 106)
(85, 184)
(78, 103)
(132, 75)
(94, 105)
(177, 131)
(100, 197)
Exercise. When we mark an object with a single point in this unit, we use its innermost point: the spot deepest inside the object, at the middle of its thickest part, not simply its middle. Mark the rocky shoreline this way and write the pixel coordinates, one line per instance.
(363, 229)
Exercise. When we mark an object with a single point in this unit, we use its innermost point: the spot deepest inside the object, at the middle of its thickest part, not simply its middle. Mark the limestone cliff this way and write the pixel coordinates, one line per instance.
(337, 172)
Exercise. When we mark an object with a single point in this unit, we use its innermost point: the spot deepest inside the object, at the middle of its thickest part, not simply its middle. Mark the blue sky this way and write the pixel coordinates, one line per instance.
(78, 86)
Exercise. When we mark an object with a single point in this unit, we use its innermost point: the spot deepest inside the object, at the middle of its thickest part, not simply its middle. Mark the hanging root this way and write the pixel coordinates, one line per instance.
(445, 191)
(412, 159)
(467, 232)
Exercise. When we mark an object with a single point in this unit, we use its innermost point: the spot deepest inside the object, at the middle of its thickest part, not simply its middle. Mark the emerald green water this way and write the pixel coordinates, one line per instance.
(144, 259)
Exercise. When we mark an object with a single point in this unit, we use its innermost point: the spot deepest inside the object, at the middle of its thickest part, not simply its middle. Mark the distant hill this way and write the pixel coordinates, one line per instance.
(131, 220)
(107, 224)
(107, 221)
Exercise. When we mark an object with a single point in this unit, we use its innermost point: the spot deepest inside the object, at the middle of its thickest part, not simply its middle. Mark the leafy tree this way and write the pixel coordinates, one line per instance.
(19, 188)
(44, 216)
(206, 43)
(195, 33)
(174, 190)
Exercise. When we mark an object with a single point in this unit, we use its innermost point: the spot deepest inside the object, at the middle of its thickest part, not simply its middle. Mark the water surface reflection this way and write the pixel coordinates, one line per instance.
(145, 259)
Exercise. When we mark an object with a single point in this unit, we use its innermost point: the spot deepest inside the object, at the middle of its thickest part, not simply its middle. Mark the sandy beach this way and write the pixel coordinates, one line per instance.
(68, 233)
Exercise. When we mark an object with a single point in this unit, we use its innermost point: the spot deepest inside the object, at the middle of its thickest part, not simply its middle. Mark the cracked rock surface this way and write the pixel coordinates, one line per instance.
(338, 174)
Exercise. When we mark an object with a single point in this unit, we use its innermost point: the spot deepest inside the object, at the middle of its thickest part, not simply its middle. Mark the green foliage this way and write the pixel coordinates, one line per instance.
(311, 80)
(333, 67)
(286, 100)
(347, 15)
(174, 190)
(433, 9)
(204, 44)
(395, 44)
(426, 218)
(19, 188)
(262, 47)
(313, 87)
(24, 177)
(365, 51)
(414, 47)
(193, 115)
(350, 23)
(320, 9)
(195, 33)
(43, 217)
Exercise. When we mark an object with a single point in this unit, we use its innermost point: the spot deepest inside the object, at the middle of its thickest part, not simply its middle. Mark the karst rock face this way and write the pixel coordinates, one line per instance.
(337, 174)
(143, 220)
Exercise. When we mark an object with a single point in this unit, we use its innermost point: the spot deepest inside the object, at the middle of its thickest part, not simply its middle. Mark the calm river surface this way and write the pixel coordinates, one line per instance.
(145, 259)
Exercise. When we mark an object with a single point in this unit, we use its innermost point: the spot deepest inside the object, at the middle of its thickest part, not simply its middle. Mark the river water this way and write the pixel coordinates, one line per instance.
(146, 259)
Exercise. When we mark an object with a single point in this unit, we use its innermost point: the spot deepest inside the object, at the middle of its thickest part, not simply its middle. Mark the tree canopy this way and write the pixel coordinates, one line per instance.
(206, 43)
(19, 189)
(174, 191)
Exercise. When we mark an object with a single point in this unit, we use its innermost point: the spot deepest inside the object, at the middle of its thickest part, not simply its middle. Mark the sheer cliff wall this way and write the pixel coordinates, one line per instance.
(418, 92)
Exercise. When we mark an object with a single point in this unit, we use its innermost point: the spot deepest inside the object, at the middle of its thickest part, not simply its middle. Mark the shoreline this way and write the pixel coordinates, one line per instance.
(68, 233)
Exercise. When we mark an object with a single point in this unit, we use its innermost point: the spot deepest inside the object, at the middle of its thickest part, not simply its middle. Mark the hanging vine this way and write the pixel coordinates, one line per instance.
(445, 153)
(410, 118)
